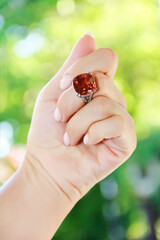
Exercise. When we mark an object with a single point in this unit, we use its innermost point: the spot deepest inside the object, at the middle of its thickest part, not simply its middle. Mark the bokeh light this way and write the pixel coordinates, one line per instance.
(6, 138)
(2, 21)
(117, 233)
(36, 37)
(96, 2)
(15, 32)
(30, 45)
(14, 4)
(109, 188)
(65, 7)
(111, 210)
(17, 155)
(138, 230)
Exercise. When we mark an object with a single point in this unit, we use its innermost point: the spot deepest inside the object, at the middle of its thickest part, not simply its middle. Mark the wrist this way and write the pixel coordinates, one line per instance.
(32, 205)
(52, 205)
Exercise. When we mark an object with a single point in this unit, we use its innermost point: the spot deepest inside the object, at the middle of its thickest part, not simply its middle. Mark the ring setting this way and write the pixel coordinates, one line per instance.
(84, 86)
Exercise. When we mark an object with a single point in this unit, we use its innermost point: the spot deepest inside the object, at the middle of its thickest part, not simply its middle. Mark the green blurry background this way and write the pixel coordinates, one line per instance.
(35, 39)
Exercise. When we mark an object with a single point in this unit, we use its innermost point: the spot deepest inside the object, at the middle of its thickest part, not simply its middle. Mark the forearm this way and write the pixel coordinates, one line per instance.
(30, 206)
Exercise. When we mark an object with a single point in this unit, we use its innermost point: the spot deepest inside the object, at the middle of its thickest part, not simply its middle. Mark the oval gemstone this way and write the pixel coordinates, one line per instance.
(84, 83)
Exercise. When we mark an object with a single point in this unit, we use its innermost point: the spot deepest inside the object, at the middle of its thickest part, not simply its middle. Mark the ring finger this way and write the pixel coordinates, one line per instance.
(68, 103)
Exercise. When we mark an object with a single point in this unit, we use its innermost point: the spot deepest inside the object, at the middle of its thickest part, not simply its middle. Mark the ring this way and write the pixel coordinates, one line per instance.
(84, 86)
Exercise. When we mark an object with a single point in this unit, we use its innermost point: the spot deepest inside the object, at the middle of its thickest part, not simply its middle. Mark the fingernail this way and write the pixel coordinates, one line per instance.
(65, 82)
(57, 114)
(90, 34)
(66, 139)
(86, 139)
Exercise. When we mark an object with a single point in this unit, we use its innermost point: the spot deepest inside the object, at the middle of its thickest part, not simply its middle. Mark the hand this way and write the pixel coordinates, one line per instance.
(107, 126)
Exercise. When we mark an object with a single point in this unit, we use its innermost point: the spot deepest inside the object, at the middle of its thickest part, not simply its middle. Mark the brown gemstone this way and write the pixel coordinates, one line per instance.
(84, 84)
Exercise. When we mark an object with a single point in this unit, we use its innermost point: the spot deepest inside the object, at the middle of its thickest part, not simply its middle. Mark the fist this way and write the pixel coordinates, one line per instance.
(75, 144)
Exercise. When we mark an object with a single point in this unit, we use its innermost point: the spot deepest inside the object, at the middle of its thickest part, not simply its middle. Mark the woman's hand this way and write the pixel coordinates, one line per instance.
(99, 136)
(55, 174)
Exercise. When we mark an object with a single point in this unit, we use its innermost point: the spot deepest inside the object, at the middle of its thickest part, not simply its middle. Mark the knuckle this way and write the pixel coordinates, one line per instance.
(114, 54)
(109, 52)
(114, 57)
(124, 101)
(120, 123)
(100, 105)
(99, 75)
(134, 132)
(41, 94)
(132, 128)
(135, 143)
(131, 119)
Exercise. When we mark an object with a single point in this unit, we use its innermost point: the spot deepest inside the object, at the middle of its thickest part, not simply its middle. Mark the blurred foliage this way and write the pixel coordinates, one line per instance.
(35, 39)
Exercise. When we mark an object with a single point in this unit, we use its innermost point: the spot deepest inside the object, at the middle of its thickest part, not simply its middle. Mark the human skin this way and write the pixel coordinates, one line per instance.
(70, 149)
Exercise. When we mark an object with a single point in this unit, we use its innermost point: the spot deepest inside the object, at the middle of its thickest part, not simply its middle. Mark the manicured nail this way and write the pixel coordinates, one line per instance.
(86, 139)
(89, 33)
(65, 82)
(57, 114)
(66, 139)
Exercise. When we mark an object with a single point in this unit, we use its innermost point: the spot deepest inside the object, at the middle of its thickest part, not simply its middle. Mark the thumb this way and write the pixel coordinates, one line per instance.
(84, 46)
